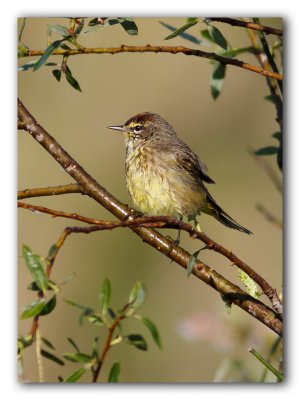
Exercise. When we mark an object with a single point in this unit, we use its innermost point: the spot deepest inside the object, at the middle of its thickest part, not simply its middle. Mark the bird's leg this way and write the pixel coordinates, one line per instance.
(177, 240)
(197, 224)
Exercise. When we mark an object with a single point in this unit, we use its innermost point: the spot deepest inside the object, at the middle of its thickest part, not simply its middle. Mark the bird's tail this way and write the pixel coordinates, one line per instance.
(216, 211)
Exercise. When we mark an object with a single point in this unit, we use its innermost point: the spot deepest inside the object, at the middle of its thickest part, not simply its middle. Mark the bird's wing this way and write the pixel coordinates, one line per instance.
(191, 163)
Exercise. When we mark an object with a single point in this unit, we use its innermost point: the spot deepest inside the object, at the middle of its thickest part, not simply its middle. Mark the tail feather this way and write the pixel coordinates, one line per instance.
(217, 212)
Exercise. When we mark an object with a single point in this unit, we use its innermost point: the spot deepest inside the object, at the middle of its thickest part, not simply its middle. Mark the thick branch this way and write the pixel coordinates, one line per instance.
(49, 191)
(232, 292)
(160, 49)
(164, 222)
(249, 25)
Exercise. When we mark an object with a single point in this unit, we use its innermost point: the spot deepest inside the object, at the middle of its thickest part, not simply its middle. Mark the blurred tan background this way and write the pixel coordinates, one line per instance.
(199, 338)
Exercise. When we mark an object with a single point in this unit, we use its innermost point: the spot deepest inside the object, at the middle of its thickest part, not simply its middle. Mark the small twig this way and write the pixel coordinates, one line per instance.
(250, 25)
(106, 347)
(160, 49)
(268, 169)
(50, 191)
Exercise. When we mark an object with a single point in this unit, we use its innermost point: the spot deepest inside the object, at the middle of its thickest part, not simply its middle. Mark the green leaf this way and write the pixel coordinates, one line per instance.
(137, 295)
(22, 28)
(75, 376)
(114, 373)
(153, 330)
(217, 36)
(34, 264)
(71, 80)
(34, 309)
(205, 34)
(48, 343)
(136, 340)
(129, 25)
(252, 287)
(85, 310)
(71, 341)
(49, 306)
(95, 320)
(22, 50)
(104, 297)
(61, 30)
(183, 35)
(50, 49)
(181, 30)
(53, 248)
(77, 357)
(79, 27)
(95, 26)
(267, 151)
(191, 262)
(217, 79)
(191, 19)
(278, 136)
(52, 357)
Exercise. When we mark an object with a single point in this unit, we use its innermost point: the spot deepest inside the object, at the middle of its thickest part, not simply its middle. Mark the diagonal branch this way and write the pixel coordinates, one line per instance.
(202, 271)
(163, 222)
(160, 49)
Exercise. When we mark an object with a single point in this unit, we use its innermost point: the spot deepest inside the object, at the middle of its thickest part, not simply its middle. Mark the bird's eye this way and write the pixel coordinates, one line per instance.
(138, 128)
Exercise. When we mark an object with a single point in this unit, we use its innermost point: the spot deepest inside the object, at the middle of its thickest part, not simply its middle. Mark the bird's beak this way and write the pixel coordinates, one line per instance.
(117, 127)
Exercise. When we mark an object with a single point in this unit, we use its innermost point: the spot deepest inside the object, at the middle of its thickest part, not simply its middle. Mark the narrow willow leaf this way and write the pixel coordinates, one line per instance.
(104, 297)
(137, 340)
(191, 262)
(71, 80)
(53, 248)
(50, 49)
(95, 320)
(71, 341)
(95, 346)
(77, 357)
(22, 50)
(114, 373)
(205, 34)
(79, 27)
(217, 36)
(94, 26)
(49, 306)
(277, 135)
(191, 19)
(267, 151)
(22, 28)
(34, 309)
(129, 26)
(137, 295)
(252, 287)
(61, 30)
(217, 79)
(35, 267)
(181, 30)
(183, 35)
(75, 376)
(153, 330)
(52, 357)
(84, 310)
(48, 343)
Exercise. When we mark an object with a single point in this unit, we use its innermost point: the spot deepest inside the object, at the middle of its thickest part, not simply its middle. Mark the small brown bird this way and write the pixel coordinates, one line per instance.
(163, 175)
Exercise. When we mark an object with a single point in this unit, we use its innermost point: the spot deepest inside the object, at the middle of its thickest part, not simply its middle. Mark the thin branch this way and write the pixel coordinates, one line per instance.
(267, 52)
(162, 222)
(273, 87)
(50, 191)
(159, 49)
(202, 271)
(250, 25)
(106, 347)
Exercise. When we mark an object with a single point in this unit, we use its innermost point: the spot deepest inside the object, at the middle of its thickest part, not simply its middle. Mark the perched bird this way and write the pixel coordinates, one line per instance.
(163, 175)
